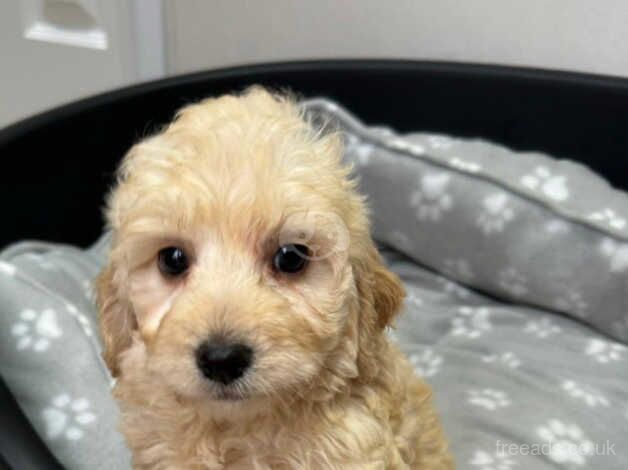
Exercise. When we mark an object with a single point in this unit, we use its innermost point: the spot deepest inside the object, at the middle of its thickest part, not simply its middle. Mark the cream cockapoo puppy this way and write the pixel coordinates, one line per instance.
(243, 305)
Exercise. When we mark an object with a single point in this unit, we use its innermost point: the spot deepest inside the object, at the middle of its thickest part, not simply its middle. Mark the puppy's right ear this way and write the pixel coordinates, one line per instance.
(116, 318)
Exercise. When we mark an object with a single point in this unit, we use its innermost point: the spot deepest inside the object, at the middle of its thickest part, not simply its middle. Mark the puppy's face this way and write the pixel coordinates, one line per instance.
(241, 259)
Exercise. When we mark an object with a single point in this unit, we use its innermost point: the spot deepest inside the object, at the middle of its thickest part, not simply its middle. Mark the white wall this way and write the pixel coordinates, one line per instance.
(582, 35)
(50, 55)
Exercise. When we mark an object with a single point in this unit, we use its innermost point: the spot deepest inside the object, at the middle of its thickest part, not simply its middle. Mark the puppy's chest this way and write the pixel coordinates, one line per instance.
(277, 447)
(267, 448)
(344, 441)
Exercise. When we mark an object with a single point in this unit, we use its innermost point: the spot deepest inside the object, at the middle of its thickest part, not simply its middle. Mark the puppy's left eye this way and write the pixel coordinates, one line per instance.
(291, 258)
(172, 261)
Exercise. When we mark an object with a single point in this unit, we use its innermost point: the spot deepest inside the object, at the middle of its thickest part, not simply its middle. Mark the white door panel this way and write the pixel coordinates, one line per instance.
(54, 51)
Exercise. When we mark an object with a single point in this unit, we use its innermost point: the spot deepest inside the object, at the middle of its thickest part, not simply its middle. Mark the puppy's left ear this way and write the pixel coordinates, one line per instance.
(386, 289)
(117, 321)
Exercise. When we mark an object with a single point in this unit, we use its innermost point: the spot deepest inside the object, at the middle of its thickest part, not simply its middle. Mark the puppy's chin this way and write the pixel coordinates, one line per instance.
(199, 392)
(236, 392)
(231, 406)
(229, 395)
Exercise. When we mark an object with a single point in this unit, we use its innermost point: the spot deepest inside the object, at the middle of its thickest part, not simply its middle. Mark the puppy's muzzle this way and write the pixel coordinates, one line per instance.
(223, 362)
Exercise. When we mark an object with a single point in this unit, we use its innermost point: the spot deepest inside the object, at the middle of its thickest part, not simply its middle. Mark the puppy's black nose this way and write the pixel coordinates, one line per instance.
(223, 362)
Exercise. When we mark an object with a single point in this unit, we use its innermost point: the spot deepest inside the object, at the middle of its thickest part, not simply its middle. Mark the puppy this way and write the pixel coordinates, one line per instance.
(243, 305)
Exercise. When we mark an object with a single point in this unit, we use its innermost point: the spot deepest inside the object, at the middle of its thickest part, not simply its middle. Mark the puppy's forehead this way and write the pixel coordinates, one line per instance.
(243, 176)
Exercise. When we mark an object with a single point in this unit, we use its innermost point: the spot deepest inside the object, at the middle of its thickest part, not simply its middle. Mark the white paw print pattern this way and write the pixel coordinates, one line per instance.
(608, 217)
(404, 145)
(67, 417)
(36, 330)
(384, 132)
(453, 288)
(617, 253)
(556, 227)
(542, 180)
(513, 282)
(471, 323)
(508, 359)
(465, 165)
(88, 289)
(359, 150)
(7, 269)
(543, 328)
(496, 213)
(363, 153)
(41, 260)
(567, 443)
(589, 396)
(489, 398)
(458, 269)
(572, 302)
(440, 142)
(604, 351)
(497, 461)
(414, 299)
(426, 363)
(431, 200)
(82, 319)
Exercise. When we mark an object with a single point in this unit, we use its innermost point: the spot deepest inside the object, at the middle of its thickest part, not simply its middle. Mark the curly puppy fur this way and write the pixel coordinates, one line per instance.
(225, 181)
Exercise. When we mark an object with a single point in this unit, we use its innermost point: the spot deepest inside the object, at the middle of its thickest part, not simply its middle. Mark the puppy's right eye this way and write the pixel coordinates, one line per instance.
(172, 261)
(292, 258)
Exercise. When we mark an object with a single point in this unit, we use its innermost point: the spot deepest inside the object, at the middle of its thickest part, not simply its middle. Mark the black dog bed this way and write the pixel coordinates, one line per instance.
(61, 162)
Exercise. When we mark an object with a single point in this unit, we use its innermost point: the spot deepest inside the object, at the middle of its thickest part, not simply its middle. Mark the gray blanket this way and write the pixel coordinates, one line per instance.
(529, 369)
(517, 387)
